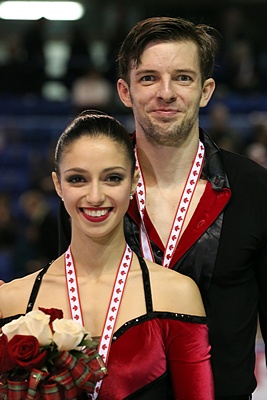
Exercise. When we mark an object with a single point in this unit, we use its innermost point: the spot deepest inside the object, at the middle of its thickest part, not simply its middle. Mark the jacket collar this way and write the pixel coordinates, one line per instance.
(213, 169)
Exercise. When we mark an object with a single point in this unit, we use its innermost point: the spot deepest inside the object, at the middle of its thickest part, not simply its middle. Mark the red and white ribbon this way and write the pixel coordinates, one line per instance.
(73, 290)
(181, 211)
(114, 304)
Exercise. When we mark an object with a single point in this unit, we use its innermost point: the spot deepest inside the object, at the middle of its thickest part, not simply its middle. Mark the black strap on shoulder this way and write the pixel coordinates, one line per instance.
(32, 299)
(6, 320)
(146, 282)
(36, 288)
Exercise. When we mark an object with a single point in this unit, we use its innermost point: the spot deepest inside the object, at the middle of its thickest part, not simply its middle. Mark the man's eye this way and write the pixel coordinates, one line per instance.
(147, 78)
(184, 78)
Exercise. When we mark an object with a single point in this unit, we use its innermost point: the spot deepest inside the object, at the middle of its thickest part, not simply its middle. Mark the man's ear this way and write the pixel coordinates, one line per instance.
(124, 92)
(57, 184)
(207, 92)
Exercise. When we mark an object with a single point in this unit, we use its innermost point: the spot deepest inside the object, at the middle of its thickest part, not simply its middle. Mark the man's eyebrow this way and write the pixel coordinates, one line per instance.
(154, 71)
(144, 71)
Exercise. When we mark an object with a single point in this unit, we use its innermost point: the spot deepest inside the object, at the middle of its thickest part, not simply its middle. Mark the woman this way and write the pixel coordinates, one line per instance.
(149, 321)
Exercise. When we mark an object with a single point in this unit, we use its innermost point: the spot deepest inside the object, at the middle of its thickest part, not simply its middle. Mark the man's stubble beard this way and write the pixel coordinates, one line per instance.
(171, 136)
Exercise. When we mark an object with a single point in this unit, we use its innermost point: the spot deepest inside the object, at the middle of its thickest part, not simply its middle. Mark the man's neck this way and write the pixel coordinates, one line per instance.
(165, 165)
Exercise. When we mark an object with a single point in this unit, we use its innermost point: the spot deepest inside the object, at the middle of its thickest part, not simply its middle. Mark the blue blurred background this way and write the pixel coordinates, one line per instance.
(50, 70)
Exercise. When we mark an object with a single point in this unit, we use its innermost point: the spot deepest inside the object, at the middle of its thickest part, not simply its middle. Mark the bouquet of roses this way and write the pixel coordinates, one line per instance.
(45, 356)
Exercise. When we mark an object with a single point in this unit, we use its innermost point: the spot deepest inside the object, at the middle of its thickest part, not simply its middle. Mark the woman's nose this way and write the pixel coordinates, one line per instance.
(95, 194)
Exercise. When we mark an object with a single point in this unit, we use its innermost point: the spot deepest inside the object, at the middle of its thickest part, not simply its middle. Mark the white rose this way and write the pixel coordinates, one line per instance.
(35, 323)
(15, 327)
(68, 334)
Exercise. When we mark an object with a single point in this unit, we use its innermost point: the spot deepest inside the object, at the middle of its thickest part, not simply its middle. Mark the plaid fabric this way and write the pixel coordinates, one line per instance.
(14, 390)
(34, 383)
(51, 391)
(92, 358)
(73, 378)
(85, 371)
(65, 384)
(79, 372)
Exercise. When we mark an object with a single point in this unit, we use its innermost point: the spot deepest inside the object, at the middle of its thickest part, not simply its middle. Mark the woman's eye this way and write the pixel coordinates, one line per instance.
(114, 178)
(75, 179)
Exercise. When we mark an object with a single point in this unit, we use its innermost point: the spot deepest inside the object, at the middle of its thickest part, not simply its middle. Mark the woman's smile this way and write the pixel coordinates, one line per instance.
(96, 214)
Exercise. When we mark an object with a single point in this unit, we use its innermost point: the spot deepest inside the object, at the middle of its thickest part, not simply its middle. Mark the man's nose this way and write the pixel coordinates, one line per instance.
(167, 91)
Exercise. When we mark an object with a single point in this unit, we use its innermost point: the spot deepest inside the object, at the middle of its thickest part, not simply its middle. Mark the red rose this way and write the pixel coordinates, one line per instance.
(25, 352)
(6, 364)
(53, 312)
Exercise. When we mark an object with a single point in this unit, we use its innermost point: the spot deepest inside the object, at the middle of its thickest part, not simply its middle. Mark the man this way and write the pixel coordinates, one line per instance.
(198, 209)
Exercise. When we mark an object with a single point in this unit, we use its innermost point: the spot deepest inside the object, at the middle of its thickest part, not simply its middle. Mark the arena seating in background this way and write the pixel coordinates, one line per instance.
(29, 127)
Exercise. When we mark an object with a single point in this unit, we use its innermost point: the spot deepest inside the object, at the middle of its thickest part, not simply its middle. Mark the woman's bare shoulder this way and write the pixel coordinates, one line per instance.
(19, 283)
(174, 292)
(14, 295)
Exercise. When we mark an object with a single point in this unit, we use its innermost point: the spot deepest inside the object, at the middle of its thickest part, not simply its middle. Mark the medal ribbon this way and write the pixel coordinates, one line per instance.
(114, 304)
(183, 206)
(73, 290)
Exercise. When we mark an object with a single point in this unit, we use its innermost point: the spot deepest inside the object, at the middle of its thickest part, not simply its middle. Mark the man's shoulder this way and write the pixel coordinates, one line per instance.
(240, 167)
(231, 158)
